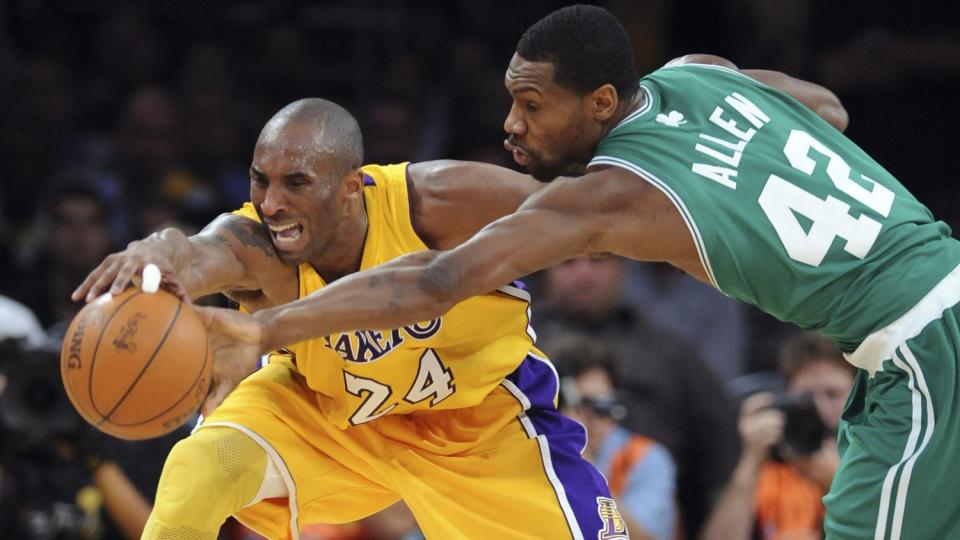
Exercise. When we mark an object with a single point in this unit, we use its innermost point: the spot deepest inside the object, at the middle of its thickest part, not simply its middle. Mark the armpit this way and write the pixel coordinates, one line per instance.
(252, 300)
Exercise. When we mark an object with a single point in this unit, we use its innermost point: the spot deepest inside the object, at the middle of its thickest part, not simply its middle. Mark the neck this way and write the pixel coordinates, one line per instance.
(346, 251)
(625, 109)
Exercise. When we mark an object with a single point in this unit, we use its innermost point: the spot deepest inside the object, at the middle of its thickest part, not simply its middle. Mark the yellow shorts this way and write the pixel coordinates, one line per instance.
(507, 468)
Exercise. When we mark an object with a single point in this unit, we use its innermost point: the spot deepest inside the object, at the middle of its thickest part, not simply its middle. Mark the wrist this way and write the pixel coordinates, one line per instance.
(748, 468)
(271, 337)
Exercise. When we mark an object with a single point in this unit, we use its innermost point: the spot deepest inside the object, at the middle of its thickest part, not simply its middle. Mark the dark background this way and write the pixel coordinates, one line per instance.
(137, 92)
(154, 108)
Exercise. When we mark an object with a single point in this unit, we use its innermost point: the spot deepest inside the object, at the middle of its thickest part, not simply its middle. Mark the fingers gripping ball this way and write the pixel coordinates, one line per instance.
(136, 365)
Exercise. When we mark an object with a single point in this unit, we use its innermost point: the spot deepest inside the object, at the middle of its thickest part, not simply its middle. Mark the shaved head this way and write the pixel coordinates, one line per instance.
(317, 127)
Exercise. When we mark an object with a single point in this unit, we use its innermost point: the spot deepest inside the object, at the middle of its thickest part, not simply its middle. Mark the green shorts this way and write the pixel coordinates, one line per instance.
(899, 436)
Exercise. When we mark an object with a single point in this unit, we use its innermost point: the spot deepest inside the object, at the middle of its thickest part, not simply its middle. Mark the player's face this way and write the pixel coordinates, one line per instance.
(295, 190)
(829, 384)
(586, 286)
(549, 129)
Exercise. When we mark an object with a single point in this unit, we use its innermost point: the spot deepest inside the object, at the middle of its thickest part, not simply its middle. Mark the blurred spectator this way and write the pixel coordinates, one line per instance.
(40, 128)
(74, 239)
(701, 316)
(211, 137)
(789, 449)
(127, 51)
(146, 167)
(670, 395)
(60, 478)
(640, 471)
(82, 95)
(17, 325)
(390, 130)
(18, 322)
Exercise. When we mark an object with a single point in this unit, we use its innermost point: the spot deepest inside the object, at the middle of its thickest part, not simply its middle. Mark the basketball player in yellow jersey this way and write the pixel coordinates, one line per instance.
(454, 415)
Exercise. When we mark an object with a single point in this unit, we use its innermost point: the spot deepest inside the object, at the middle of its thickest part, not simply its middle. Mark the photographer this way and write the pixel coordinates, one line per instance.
(640, 471)
(789, 454)
(59, 477)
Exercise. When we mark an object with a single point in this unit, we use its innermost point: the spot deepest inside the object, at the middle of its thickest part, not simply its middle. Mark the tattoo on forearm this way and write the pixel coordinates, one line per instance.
(251, 234)
(437, 280)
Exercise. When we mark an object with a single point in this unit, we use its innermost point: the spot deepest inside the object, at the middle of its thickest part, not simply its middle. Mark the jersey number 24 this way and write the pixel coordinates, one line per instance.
(434, 381)
(782, 200)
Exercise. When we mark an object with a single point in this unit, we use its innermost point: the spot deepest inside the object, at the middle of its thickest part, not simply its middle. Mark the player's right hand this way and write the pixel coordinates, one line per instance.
(118, 271)
(235, 339)
(760, 426)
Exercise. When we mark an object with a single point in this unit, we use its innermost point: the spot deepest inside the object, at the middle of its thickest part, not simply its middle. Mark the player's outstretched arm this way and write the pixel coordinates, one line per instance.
(217, 258)
(817, 98)
(569, 218)
(609, 210)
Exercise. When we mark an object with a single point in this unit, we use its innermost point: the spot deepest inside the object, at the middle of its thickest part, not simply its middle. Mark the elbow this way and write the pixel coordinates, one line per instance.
(834, 113)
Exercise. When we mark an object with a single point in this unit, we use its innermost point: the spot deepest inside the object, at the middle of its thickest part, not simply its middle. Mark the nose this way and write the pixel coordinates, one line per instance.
(514, 124)
(273, 201)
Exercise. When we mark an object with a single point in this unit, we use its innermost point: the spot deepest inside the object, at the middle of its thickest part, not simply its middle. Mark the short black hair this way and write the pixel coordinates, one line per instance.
(587, 47)
(806, 348)
(73, 187)
(575, 353)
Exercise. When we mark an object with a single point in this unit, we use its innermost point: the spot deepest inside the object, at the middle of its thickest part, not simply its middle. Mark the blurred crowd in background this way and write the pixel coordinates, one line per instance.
(123, 117)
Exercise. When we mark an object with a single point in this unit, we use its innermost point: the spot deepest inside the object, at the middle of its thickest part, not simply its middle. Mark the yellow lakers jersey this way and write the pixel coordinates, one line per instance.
(450, 362)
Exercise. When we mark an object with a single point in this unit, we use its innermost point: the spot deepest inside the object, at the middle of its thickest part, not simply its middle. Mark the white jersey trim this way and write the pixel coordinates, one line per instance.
(920, 396)
(544, 446)
(880, 345)
(515, 292)
(639, 112)
(674, 198)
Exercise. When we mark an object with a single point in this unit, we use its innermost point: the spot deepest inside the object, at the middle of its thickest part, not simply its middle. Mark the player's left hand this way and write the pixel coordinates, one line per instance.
(235, 339)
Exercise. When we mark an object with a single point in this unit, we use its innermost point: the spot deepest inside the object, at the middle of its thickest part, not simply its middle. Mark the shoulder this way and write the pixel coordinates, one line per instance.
(446, 178)
(451, 200)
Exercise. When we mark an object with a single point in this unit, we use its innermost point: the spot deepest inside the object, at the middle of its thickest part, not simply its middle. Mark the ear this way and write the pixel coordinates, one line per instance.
(603, 102)
(353, 183)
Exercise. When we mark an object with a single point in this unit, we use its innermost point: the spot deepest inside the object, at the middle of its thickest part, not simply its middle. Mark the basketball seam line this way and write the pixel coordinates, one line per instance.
(145, 366)
(186, 394)
(96, 349)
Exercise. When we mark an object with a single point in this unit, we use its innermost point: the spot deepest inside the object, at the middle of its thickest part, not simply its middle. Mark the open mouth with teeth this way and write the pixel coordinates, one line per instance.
(287, 236)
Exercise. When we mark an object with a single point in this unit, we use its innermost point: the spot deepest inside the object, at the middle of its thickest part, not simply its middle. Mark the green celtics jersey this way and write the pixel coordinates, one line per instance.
(786, 212)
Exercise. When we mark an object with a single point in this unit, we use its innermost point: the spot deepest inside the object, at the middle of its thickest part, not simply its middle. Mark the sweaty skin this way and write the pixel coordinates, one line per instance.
(604, 210)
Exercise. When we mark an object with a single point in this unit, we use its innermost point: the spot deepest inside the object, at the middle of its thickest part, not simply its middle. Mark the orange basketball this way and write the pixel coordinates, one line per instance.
(136, 365)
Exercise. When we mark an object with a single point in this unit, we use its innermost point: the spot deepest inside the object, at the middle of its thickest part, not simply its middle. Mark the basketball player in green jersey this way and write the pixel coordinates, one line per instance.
(738, 183)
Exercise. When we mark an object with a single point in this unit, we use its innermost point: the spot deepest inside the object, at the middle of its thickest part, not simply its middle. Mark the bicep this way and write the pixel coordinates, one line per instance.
(452, 200)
